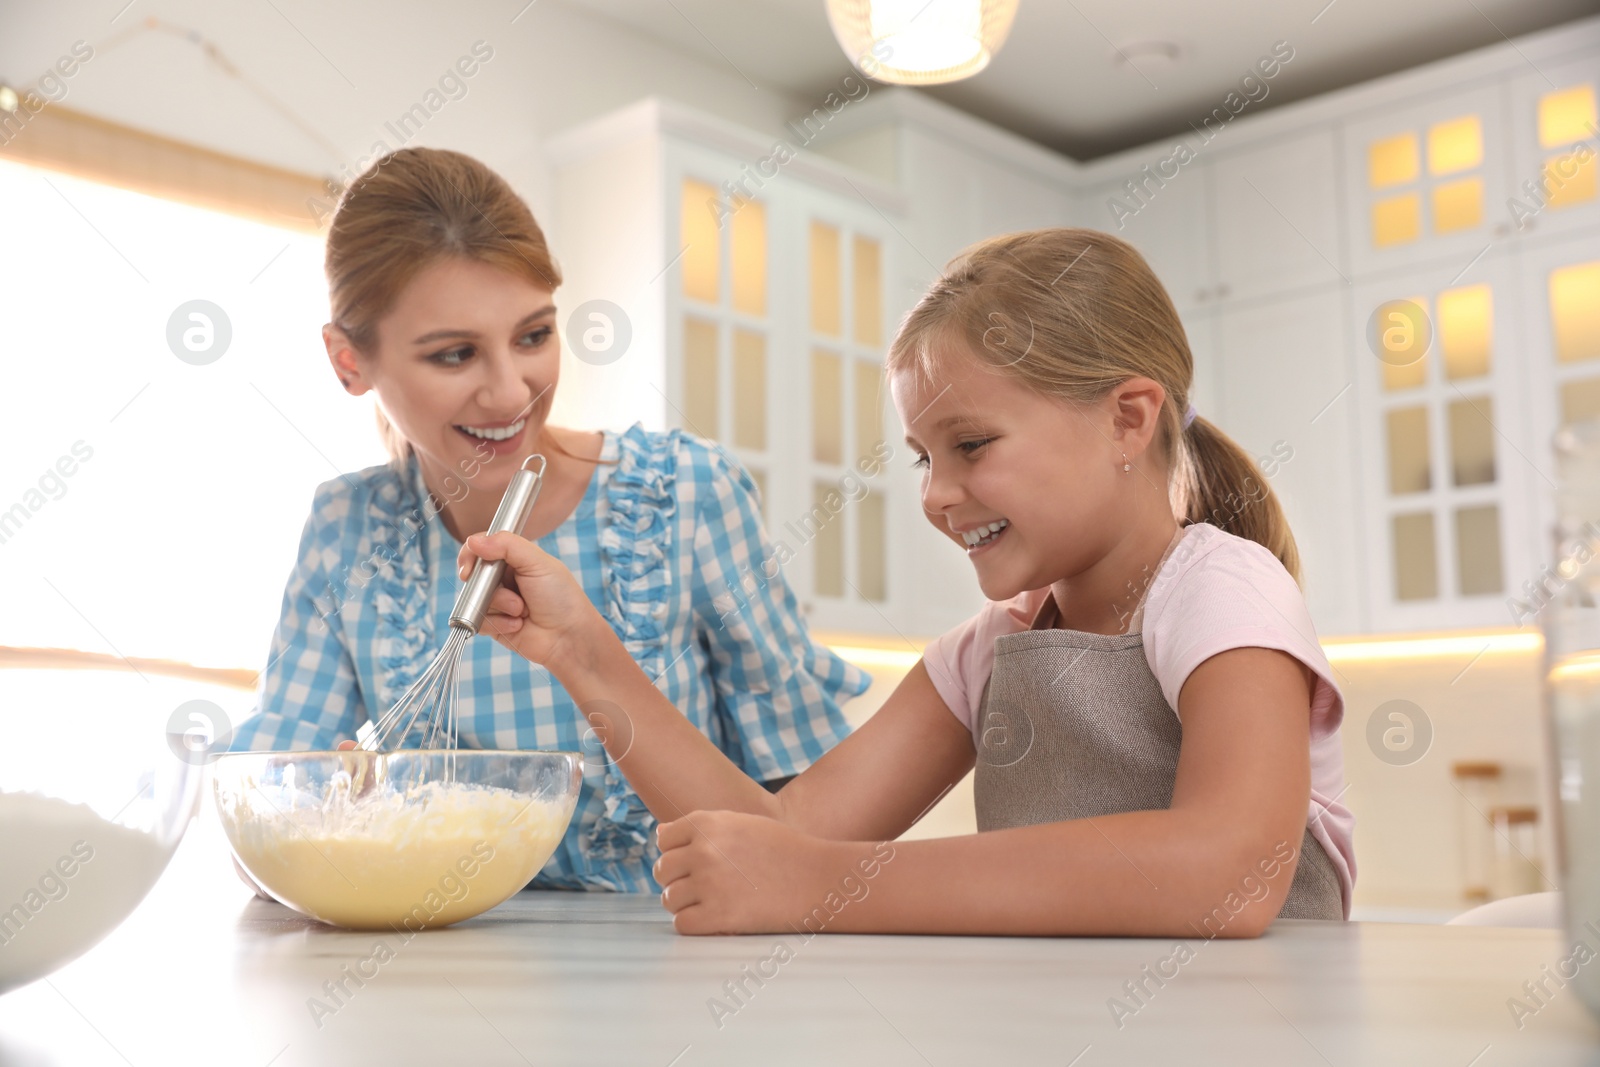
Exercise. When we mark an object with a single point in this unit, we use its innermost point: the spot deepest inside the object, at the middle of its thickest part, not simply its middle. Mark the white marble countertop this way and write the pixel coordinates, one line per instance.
(204, 974)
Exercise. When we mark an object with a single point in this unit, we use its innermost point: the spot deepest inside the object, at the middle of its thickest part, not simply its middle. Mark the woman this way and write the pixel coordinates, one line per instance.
(442, 287)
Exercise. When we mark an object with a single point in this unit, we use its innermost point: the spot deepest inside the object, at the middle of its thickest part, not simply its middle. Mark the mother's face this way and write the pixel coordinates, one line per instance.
(465, 366)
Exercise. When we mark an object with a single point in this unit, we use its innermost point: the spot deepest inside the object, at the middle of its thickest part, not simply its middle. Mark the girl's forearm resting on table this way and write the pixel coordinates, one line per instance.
(673, 767)
(1145, 873)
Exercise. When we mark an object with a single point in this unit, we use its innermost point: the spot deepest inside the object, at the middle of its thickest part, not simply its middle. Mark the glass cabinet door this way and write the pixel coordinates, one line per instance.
(1555, 131)
(777, 326)
(1561, 294)
(1425, 182)
(724, 329)
(1450, 467)
(845, 340)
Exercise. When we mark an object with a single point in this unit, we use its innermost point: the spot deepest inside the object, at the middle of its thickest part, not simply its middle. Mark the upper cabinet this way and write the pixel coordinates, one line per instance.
(1424, 180)
(1555, 139)
(1275, 211)
(776, 328)
(1284, 378)
(1231, 225)
(1479, 256)
(959, 192)
(1446, 457)
(1163, 213)
(1559, 288)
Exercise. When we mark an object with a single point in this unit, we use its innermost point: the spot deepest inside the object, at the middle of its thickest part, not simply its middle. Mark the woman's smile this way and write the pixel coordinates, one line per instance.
(501, 438)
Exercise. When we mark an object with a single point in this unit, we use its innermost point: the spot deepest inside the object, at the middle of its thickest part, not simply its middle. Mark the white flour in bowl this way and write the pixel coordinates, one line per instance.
(67, 878)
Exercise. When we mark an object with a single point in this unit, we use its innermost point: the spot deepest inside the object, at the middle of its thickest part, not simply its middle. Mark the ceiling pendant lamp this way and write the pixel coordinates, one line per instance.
(920, 42)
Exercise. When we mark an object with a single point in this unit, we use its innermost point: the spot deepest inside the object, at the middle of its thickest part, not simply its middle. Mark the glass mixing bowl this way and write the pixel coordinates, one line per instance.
(95, 794)
(407, 840)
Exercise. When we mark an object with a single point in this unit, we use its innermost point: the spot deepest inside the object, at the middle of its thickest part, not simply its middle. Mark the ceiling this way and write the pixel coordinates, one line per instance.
(1074, 74)
(337, 71)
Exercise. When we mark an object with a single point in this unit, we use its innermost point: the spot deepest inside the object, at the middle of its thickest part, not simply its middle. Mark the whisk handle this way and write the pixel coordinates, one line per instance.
(473, 602)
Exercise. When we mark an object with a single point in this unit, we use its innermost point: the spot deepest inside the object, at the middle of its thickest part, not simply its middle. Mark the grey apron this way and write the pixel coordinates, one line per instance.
(1073, 725)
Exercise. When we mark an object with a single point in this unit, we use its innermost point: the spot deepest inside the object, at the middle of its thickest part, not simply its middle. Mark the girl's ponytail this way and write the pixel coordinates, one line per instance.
(1216, 481)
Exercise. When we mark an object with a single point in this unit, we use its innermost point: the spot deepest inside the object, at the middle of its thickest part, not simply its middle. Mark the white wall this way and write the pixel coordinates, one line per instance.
(347, 69)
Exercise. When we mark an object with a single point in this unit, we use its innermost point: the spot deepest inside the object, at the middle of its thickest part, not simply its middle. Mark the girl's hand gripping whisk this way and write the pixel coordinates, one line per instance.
(547, 618)
(431, 700)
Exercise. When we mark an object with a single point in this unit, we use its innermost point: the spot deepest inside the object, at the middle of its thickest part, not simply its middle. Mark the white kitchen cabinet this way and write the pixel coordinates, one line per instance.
(1424, 180)
(1284, 375)
(1012, 200)
(1448, 467)
(1275, 212)
(1555, 150)
(1166, 219)
(942, 218)
(1560, 288)
(958, 194)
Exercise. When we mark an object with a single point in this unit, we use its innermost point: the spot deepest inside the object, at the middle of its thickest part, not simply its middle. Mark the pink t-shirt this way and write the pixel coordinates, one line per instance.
(1214, 591)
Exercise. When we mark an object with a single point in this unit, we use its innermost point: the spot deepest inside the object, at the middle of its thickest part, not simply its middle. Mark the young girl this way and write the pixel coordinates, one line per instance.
(442, 292)
(1154, 725)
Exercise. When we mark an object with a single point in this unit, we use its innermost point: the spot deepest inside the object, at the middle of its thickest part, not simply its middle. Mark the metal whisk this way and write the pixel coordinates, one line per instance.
(431, 699)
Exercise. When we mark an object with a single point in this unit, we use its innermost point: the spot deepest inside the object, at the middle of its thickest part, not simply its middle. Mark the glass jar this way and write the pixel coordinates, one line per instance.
(1567, 598)
(1515, 869)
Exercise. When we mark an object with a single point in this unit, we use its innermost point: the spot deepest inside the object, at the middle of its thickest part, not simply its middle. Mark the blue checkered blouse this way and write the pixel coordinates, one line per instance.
(668, 543)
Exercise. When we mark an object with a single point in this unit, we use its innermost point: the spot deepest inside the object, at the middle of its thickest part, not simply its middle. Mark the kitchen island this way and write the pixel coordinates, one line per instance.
(203, 973)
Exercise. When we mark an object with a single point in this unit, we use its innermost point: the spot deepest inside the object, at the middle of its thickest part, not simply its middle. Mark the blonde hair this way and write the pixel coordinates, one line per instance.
(407, 211)
(1073, 313)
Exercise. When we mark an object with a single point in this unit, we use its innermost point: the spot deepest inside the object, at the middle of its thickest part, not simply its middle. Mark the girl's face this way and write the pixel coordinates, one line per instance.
(465, 366)
(1047, 471)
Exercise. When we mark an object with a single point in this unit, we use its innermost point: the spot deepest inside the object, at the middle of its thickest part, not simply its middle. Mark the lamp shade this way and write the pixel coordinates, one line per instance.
(920, 42)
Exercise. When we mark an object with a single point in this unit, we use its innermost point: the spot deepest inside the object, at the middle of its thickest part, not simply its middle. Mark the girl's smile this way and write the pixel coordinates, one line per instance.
(983, 536)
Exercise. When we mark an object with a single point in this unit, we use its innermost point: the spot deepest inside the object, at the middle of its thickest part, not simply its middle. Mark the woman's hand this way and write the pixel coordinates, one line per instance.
(542, 619)
(728, 872)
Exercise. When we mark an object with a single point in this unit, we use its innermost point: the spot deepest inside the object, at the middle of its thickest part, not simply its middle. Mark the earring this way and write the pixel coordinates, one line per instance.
(1126, 466)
